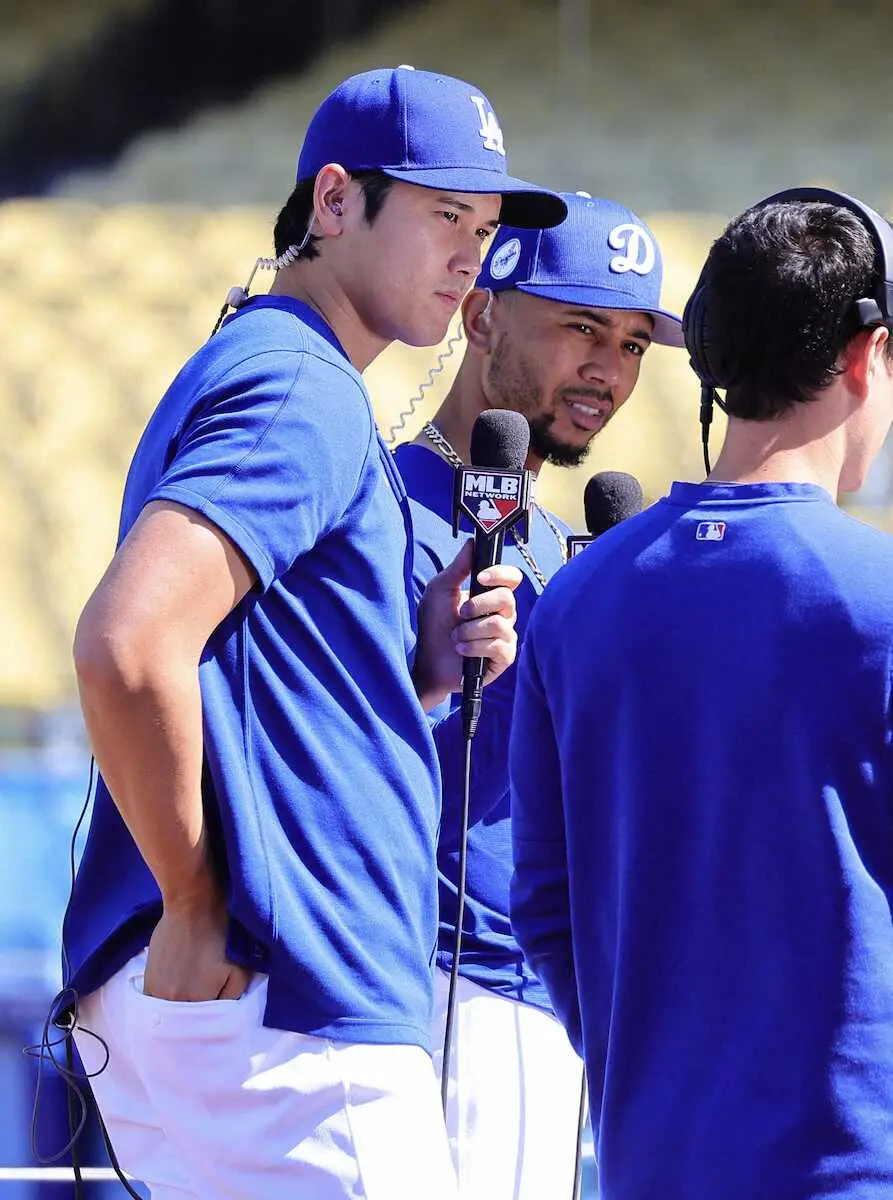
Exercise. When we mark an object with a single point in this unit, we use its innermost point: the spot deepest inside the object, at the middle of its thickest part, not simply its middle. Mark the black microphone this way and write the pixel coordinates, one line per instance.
(494, 493)
(610, 497)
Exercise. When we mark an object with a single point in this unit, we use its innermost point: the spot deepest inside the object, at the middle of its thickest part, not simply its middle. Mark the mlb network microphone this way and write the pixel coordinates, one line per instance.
(492, 500)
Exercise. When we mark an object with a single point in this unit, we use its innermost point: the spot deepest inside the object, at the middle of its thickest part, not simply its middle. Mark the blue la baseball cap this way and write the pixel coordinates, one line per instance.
(602, 255)
(426, 129)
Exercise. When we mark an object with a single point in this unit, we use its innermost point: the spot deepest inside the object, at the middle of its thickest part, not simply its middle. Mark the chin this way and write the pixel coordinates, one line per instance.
(430, 334)
(559, 454)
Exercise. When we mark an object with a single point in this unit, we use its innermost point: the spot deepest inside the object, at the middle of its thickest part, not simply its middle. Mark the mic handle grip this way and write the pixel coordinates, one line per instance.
(487, 553)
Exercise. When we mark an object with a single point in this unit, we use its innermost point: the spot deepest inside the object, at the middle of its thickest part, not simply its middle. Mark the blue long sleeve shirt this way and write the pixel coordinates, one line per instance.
(702, 813)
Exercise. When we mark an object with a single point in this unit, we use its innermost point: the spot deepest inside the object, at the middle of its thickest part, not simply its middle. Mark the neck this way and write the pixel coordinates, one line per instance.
(462, 405)
(802, 447)
(316, 287)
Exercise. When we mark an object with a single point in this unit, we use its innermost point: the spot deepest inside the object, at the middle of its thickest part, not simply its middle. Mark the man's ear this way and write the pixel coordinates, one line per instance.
(865, 356)
(477, 319)
(330, 194)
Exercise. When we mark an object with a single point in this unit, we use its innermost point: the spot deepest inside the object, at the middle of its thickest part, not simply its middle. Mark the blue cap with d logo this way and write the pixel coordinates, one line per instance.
(601, 256)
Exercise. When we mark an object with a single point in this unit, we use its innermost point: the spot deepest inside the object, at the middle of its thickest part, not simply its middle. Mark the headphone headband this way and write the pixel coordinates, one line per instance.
(877, 226)
(870, 310)
(875, 309)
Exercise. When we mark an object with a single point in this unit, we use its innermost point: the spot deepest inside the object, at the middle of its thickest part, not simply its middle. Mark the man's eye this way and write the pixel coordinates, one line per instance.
(635, 348)
(452, 217)
(483, 234)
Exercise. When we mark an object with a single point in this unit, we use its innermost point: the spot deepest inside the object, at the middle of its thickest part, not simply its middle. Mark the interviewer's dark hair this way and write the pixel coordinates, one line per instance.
(783, 280)
(291, 224)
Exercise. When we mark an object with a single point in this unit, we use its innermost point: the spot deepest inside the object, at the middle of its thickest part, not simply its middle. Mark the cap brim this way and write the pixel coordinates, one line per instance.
(667, 330)
(523, 204)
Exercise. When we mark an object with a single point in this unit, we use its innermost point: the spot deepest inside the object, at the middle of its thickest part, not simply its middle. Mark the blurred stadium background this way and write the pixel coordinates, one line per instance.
(145, 148)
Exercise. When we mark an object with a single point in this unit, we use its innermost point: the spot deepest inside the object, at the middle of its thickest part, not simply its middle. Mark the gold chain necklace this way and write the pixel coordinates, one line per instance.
(433, 434)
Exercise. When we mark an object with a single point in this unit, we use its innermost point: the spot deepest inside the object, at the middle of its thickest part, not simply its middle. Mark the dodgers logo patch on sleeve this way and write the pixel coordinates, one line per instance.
(710, 531)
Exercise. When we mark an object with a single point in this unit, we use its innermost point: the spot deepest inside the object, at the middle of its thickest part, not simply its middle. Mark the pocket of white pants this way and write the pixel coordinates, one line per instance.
(195, 1020)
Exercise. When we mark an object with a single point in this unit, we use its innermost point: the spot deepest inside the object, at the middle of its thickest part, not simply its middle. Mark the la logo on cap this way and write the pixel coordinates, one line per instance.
(639, 254)
(490, 130)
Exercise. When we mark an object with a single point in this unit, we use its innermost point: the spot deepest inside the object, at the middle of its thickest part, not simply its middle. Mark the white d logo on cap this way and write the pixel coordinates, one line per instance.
(639, 250)
(505, 259)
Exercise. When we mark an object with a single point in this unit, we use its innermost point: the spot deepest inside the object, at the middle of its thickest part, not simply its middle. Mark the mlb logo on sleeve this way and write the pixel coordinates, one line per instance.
(710, 531)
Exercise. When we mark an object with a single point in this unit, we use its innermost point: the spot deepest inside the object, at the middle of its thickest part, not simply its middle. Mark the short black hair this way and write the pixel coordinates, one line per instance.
(291, 224)
(783, 279)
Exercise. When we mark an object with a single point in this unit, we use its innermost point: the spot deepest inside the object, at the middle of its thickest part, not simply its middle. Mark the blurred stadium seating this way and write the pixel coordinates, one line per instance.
(682, 107)
(111, 283)
(103, 306)
(37, 31)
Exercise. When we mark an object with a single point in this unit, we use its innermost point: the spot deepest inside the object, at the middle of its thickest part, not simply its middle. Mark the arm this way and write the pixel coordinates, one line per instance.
(540, 903)
(137, 650)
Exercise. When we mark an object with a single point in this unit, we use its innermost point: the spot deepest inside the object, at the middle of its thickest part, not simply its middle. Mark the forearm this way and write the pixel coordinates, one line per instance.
(143, 716)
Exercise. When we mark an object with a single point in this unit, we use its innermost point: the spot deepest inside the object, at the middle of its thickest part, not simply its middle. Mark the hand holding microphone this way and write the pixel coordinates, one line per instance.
(494, 493)
(481, 626)
(610, 497)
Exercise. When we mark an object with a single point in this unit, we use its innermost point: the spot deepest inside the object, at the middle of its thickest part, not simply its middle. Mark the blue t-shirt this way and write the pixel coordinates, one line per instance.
(702, 787)
(321, 780)
(490, 956)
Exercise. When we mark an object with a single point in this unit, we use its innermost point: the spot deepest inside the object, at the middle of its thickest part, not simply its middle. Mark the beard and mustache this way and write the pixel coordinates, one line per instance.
(512, 376)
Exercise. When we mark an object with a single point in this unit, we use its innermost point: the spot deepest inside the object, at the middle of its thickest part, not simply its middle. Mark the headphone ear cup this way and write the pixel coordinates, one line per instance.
(694, 331)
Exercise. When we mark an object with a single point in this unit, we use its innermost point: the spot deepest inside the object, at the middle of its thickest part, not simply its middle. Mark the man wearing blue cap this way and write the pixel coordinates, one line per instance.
(251, 929)
(556, 327)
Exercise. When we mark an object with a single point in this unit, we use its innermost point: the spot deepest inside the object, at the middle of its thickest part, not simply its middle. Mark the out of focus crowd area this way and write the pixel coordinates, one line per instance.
(145, 149)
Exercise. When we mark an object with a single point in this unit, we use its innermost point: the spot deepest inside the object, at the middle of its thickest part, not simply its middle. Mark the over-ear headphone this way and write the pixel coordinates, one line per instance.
(870, 310)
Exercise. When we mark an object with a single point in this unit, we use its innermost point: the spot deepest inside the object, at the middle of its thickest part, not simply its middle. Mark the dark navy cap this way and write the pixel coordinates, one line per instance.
(602, 256)
(431, 130)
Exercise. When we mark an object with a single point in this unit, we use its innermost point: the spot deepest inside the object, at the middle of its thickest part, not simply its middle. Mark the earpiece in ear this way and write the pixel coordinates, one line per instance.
(336, 208)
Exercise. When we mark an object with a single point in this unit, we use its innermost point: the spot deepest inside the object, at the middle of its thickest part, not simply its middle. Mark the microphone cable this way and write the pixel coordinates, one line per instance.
(581, 1125)
(452, 994)
(709, 397)
(62, 1014)
(500, 440)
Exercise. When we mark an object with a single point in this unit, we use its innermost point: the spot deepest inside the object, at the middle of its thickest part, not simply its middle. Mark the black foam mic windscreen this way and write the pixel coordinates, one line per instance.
(500, 438)
(610, 497)
(494, 493)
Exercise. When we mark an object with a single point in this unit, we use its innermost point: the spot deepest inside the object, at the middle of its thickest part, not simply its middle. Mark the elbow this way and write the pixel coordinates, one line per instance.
(108, 657)
(93, 653)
